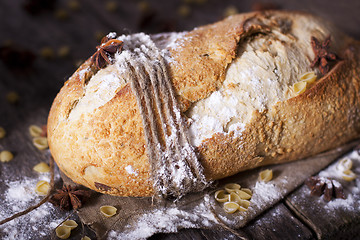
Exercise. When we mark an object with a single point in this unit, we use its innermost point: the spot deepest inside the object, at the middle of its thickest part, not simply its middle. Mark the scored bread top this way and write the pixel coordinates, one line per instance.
(233, 80)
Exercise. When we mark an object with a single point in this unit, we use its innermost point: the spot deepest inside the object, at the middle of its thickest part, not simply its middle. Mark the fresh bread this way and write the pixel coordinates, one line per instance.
(234, 83)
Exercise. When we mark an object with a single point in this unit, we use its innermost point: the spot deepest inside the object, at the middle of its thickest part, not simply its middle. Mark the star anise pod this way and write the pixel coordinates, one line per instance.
(108, 37)
(69, 197)
(322, 54)
(105, 51)
(329, 187)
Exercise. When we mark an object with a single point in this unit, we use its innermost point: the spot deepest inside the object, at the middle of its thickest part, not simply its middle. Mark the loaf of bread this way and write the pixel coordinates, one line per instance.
(234, 81)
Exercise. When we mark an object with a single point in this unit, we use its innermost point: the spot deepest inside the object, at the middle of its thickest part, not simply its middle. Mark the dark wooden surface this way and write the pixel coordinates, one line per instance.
(79, 29)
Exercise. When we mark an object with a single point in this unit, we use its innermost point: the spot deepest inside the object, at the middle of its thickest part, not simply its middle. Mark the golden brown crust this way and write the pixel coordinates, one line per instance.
(201, 61)
(105, 149)
(292, 129)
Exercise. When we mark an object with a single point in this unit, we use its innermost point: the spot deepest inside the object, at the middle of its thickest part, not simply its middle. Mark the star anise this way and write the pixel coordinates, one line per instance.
(322, 54)
(69, 197)
(329, 187)
(105, 51)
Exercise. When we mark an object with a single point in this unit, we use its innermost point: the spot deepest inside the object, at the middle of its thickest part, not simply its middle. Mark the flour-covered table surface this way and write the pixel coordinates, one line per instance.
(49, 38)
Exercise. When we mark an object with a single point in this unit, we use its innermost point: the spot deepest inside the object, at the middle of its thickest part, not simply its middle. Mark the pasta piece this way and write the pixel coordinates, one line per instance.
(243, 194)
(35, 131)
(74, 5)
(233, 197)
(63, 232)
(108, 211)
(42, 188)
(232, 187)
(64, 51)
(237, 199)
(12, 97)
(111, 6)
(184, 11)
(348, 175)
(242, 209)
(244, 203)
(231, 10)
(6, 156)
(344, 164)
(220, 196)
(265, 175)
(248, 191)
(40, 143)
(143, 6)
(299, 87)
(85, 238)
(309, 77)
(231, 207)
(41, 167)
(48, 52)
(70, 224)
(2, 132)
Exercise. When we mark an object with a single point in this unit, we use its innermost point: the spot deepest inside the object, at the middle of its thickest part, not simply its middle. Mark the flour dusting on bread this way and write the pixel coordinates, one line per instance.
(100, 89)
(259, 77)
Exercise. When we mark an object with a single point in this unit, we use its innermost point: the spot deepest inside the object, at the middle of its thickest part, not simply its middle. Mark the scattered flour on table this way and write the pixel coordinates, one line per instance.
(351, 189)
(265, 193)
(164, 220)
(19, 196)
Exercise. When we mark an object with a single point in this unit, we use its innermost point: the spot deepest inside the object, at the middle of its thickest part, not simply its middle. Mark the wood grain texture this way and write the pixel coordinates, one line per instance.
(329, 221)
(38, 86)
(277, 223)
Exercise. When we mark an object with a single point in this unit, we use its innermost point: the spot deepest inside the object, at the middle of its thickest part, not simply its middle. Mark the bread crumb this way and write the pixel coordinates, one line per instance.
(280, 151)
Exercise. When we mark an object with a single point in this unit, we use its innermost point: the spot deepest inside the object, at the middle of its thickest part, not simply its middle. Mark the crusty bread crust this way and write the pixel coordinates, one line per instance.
(97, 148)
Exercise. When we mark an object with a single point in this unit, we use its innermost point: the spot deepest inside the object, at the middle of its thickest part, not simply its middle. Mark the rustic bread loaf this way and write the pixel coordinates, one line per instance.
(234, 83)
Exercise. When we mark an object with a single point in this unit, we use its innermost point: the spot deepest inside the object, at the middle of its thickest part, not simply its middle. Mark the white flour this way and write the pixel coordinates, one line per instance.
(165, 220)
(38, 224)
(130, 170)
(261, 75)
(351, 189)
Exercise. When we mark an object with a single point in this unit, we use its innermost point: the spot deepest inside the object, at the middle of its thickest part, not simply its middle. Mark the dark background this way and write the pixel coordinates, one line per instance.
(42, 42)
(45, 26)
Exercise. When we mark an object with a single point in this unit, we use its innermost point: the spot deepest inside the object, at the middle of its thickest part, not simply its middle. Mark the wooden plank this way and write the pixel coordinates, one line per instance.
(327, 221)
(183, 234)
(277, 223)
(336, 219)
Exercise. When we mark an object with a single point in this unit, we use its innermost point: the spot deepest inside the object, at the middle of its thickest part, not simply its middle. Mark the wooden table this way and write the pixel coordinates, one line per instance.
(78, 25)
